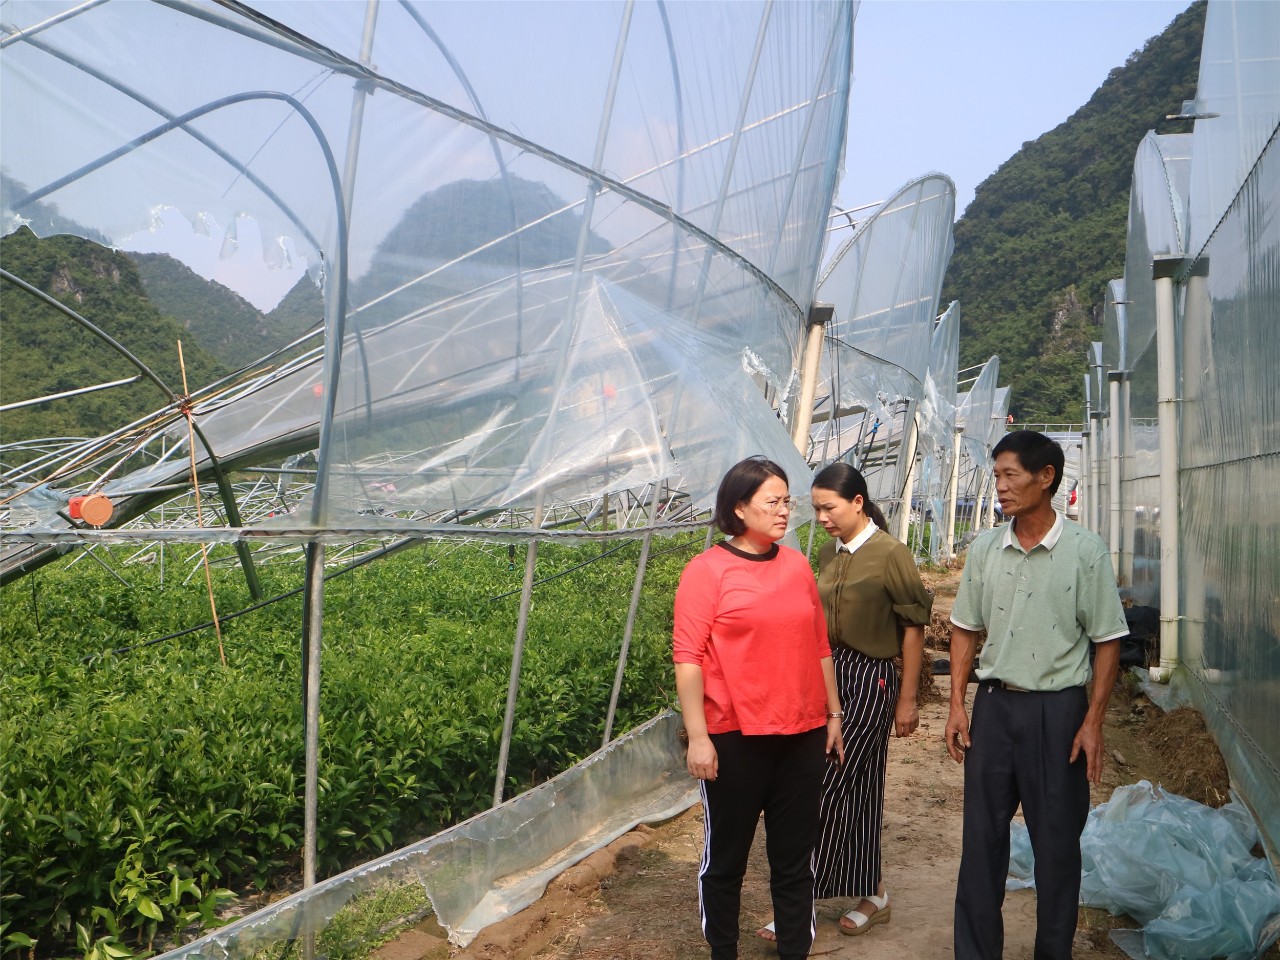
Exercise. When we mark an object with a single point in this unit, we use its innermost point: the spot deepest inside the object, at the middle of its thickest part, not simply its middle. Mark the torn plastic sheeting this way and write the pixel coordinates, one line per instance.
(1184, 870)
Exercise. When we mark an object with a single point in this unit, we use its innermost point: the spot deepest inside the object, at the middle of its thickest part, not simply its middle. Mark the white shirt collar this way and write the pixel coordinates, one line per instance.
(852, 545)
(1050, 539)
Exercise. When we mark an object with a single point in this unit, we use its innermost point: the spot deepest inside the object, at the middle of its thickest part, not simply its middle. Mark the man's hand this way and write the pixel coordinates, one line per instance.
(906, 717)
(1089, 740)
(957, 734)
(703, 762)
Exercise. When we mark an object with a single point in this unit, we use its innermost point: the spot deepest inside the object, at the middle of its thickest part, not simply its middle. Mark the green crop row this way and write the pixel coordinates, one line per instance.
(139, 789)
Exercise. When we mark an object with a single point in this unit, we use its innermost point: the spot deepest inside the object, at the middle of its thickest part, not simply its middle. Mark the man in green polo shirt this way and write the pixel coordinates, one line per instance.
(1043, 589)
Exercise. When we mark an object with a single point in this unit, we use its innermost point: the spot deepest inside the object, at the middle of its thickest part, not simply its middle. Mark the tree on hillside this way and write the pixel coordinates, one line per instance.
(1053, 219)
(46, 352)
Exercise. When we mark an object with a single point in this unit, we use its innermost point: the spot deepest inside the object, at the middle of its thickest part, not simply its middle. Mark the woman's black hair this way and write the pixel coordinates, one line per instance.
(740, 485)
(847, 482)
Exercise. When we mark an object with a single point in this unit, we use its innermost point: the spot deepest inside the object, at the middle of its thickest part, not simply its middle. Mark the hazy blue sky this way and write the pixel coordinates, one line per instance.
(955, 86)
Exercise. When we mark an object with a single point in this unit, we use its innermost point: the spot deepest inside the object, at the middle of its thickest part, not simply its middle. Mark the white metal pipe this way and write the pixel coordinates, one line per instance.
(513, 681)
(953, 485)
(1086, 458)
(629, 629)
(1094, 491)
(1167, 426)
(1086, 469)
(809, 379)
(908, 486)
(1128, 524)
(989, 515)
(627, 633)
(1115, 423)
(312, 621)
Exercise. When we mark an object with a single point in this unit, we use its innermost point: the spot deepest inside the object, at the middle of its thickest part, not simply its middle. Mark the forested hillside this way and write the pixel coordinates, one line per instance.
(1046, 231)
(217, 318)
(150, 301)
(45, 352)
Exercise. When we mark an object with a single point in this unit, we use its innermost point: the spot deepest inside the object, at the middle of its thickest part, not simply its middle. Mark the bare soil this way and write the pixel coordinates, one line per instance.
(637, 899)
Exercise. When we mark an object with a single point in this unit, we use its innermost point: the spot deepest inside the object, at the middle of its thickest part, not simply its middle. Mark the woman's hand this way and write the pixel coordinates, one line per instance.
(906, 717)
(703, 762)
(835, 740)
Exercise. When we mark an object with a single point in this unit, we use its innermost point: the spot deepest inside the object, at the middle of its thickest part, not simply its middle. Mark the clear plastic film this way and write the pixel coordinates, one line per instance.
(874, 408)
(495, 864)
(1183, 870)
(1211, 225)
(537, 278)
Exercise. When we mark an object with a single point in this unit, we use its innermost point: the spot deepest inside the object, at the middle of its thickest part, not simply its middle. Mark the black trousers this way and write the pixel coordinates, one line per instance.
(1021, 745)
(780, 776)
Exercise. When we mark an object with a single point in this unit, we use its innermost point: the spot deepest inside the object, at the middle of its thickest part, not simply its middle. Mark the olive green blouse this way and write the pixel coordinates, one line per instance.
(871, 596)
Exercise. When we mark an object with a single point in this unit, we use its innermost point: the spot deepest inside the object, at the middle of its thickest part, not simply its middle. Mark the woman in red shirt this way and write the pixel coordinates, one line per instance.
(758, 694)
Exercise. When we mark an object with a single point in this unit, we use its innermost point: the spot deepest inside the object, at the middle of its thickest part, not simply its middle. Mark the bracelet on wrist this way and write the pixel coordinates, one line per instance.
(837, 715)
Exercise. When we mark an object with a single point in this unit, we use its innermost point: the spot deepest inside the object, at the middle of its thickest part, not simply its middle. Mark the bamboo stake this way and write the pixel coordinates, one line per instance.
(195, 487)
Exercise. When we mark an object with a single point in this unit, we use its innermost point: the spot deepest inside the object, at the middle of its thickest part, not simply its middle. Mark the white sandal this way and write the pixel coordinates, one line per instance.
(768, 926)
(861, 921)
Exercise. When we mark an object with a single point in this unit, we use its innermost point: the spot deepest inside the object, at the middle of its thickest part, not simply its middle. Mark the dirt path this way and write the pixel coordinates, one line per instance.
(637, 900)
(648, 910)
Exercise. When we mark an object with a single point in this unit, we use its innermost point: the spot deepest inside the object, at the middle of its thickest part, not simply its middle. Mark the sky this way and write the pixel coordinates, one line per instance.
(958, 86)
(950, 86)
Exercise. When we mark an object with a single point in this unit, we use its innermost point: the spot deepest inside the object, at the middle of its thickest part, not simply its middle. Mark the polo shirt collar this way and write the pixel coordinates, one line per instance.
(867, 533)
(1050, 539)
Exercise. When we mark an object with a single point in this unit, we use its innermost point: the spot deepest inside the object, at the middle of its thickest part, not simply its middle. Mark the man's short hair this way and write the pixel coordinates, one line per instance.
(1034, 451)
(739, 485)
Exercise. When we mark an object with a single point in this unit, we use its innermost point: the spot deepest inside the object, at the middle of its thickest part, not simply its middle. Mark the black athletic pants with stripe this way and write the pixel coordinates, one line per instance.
(781, 776)
(1021, 745)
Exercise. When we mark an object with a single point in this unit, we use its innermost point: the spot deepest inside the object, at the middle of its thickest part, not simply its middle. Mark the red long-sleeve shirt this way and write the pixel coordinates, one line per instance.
(754, 623)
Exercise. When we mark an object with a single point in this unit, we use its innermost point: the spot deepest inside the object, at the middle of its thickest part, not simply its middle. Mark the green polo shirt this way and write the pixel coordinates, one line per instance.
(1040, 607)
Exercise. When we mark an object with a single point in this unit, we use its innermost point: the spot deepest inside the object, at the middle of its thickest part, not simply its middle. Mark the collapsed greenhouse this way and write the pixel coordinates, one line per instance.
(557, 305)
(541, 323)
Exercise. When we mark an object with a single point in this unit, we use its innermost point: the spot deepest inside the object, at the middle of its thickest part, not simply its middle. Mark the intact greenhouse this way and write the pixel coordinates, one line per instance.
(1184, 437)
(568, 268)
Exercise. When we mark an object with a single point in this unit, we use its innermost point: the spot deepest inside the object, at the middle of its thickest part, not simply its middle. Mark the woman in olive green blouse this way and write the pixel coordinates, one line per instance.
(876, 609)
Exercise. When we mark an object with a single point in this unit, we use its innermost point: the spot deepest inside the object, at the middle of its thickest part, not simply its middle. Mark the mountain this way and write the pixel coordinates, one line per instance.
(218, 318)
(463, 216)
(300, 309)
(148, 302)
(1046, 231)
(46, 352)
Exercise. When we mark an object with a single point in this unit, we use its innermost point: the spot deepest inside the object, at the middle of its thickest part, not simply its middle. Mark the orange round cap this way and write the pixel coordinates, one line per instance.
(96, 509)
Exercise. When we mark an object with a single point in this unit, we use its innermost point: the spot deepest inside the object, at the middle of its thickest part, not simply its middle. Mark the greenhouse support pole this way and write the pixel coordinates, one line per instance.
(1087, 472)
(313, 618)
(627, 632)
(1167, 426)
(1086, 454)
(820, 315)
(517, 655)
(629, 629)
(980, 503)
(313, 604)
(1099, 449)
(953, 489)
(1129, 527)
(1114, 380)
(1197, 316)
(1095, 476)
(904, 512)
(989, 520)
